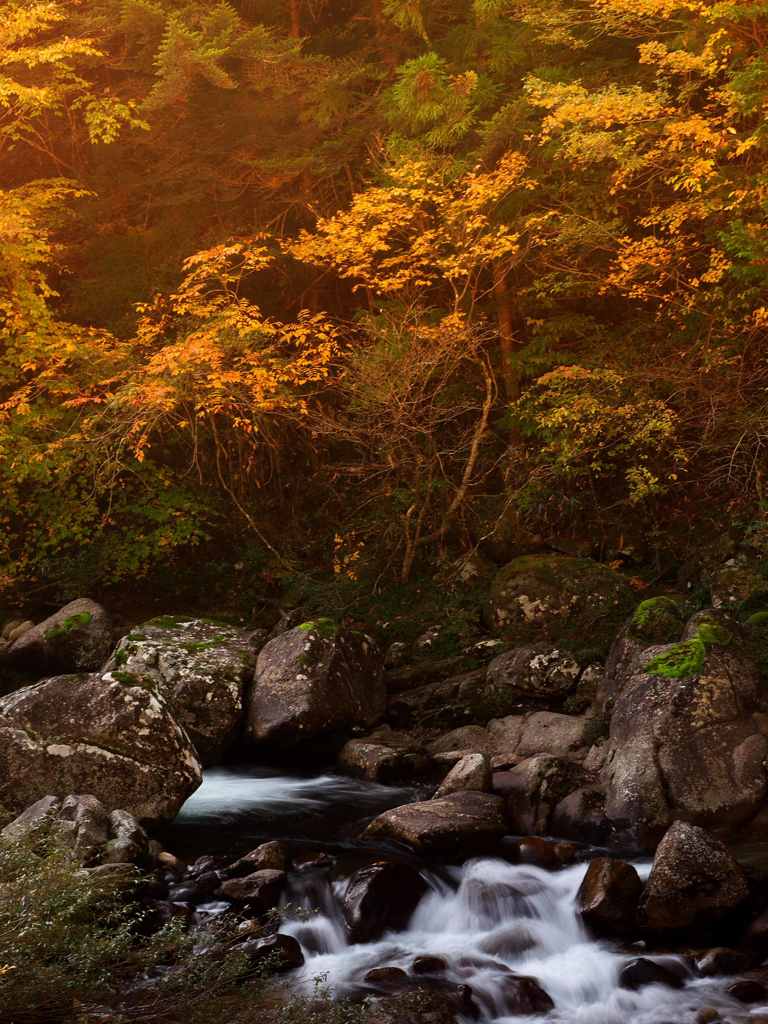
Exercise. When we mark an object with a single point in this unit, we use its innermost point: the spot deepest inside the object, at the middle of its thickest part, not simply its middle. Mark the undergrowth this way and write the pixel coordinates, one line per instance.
(75, 949)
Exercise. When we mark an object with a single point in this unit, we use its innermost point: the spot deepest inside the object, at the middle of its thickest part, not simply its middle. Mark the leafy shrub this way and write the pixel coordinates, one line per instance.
(73, 949)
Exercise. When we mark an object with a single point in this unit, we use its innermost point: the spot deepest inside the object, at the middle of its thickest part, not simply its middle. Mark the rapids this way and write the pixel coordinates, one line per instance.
(485, 919)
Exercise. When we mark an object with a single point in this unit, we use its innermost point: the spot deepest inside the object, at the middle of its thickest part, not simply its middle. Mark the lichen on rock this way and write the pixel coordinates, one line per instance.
(203, 667)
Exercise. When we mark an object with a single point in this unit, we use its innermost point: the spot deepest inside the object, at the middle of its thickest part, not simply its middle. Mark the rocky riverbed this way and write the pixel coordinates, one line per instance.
(563, 820)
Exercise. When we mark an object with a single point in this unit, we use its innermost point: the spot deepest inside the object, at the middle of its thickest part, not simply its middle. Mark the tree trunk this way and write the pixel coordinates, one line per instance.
(383, 37)
(509, 345)
(295, 18)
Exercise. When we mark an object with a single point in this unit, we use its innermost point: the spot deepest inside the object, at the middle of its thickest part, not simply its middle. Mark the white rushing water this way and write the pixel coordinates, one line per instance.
(227, 794)
(499, 918)
(488, 920)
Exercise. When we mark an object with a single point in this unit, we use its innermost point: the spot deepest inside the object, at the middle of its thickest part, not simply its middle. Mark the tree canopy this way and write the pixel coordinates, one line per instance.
(333, 281)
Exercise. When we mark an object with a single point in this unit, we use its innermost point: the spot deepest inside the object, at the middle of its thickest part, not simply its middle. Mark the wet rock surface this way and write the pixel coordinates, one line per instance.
(461, 822)
(608, 897)
(694, 882)
(381, 897)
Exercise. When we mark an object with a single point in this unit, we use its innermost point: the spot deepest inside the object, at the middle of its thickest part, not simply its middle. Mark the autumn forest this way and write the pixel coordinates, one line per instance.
(352, 288)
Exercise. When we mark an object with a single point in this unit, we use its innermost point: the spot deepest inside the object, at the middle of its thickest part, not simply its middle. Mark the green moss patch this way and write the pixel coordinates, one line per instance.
(658, 620)
(167, 621)
(204, 645)
(74, 622)
(325, 628)
(687, 658)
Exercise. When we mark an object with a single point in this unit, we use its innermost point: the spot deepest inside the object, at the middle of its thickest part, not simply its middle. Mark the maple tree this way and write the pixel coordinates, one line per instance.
(453, 255)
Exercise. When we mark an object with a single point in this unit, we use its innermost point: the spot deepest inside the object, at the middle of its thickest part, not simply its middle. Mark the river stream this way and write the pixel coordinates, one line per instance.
(487, 919)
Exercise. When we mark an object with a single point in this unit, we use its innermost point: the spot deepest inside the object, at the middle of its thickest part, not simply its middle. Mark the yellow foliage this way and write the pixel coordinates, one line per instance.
(424, 228)
(209, 352)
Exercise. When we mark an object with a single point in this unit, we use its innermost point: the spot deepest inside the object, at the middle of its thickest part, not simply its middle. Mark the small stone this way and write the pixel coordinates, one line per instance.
(748, 991)
(170, 862)
(387, 978)
(642, 971)
(280, 952)
(260, 891)
(472, 772)
(269, 856)
(722, 961)
(545, 853)
(708, 1015)
(523, 996)
(429, 965)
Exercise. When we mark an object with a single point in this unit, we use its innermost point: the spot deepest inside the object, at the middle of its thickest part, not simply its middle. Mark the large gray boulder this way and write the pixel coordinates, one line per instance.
(89, 733)
(315, 681)
(77, 638)
(202, 667)
(462, 823)
(694, 882)
(574, 602)
(686, 746)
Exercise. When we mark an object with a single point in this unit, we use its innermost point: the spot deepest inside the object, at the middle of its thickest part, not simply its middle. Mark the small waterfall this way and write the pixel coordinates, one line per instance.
(494, 920)
(487, 921)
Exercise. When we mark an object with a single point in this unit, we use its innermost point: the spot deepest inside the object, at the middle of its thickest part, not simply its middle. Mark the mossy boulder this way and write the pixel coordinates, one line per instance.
(76, 638)
(88, 733)
(202, 667)
(574, 602)
(656, 620)
(316, 682)
(684, 742)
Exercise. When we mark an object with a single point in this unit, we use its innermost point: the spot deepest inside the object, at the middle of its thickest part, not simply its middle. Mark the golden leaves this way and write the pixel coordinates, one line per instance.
(211, 352)
(424, 228)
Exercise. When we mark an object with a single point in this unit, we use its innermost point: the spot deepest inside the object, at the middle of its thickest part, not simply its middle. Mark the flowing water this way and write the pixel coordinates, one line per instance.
(487, 919)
